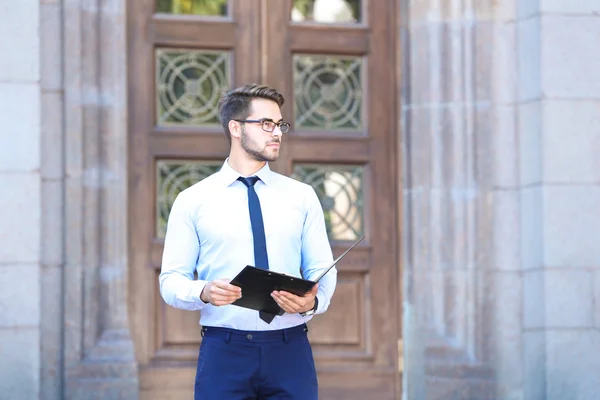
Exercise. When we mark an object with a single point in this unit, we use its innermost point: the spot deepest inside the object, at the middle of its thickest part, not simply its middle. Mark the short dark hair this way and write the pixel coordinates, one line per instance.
(235, 103)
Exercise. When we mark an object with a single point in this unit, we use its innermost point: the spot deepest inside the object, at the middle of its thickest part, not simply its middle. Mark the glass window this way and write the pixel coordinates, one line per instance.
(327, 92)
(327, 11)
(173, 177)
(189, 84)
(197, 7)
(340, 191)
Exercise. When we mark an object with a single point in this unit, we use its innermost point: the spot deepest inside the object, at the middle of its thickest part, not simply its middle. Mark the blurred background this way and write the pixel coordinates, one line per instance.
(460, 136)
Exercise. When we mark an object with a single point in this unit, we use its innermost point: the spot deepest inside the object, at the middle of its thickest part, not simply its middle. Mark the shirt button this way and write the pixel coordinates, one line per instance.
(249, 336)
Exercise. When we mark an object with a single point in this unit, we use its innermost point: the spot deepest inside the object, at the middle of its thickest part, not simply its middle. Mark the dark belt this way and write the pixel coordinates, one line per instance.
(228, 334)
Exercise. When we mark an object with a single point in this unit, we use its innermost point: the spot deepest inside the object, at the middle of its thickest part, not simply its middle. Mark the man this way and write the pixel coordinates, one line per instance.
(246, 214)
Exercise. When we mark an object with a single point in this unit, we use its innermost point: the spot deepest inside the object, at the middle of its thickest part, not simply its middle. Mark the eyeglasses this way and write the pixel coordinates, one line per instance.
(268, 125)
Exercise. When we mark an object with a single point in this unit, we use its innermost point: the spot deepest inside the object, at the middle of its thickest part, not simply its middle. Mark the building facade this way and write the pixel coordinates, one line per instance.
(459, 137)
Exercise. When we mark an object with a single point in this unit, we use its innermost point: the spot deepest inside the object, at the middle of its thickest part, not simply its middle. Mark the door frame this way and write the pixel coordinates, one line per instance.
(141, 169)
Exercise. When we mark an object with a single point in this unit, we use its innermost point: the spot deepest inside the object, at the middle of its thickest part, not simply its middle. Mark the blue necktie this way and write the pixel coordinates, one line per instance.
(258, 233)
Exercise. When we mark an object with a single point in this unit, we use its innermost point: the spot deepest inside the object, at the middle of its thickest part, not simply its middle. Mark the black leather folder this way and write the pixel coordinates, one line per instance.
(257, 285)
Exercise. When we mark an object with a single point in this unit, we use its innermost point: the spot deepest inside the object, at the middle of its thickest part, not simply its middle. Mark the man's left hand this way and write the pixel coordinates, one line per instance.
(292, 304)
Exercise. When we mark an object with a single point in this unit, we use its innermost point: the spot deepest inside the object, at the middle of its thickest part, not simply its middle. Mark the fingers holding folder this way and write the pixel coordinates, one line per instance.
(220, 292)
(292, 303)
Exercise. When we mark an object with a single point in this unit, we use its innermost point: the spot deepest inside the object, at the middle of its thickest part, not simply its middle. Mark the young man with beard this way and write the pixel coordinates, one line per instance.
(246, 214)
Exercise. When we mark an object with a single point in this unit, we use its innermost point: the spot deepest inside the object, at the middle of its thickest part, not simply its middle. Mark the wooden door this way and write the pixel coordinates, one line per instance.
(339, 83)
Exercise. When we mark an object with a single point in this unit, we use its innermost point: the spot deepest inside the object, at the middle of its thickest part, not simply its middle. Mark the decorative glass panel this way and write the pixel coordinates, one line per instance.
(340, 190)
(197, 7)
(327, 92)
(327, 11)
(189, 85)
(172, 178)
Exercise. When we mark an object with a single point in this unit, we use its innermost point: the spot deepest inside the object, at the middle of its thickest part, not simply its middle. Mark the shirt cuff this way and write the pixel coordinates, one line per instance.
(319, 303)
(200, 287)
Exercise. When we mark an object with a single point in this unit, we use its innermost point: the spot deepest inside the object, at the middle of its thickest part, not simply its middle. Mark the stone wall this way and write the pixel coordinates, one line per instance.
(558, 120)
(64, 326)
(23, 180)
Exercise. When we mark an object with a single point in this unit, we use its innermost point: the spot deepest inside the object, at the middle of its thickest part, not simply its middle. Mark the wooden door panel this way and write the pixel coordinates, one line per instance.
(179, 326)
(343, 326)
(327, 149)
(167, 339)
(329, 39)
(203, 33)
(355, 342)
(168, 382)
(366, 384)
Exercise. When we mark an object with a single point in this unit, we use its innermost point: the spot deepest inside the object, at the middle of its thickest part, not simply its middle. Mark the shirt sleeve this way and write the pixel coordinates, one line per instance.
(178, 287)
(316, 251)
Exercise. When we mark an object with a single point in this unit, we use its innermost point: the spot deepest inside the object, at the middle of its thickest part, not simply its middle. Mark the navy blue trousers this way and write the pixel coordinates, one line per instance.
(244, 365)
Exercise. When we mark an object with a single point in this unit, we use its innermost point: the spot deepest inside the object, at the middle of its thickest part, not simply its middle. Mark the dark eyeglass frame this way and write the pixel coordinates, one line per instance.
(283, 126)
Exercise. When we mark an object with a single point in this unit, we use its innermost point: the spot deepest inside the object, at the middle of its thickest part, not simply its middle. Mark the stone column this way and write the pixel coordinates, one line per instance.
(97, 335)
(53, 179)
(447, 136)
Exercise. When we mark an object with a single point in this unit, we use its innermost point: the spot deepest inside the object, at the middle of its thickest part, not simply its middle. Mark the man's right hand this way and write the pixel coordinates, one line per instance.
(220, 292)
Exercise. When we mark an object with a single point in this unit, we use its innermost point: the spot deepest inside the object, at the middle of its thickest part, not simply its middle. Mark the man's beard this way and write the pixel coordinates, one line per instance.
(256, 154)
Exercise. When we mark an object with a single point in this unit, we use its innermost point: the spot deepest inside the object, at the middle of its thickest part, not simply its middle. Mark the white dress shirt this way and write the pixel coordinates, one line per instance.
(209, 232)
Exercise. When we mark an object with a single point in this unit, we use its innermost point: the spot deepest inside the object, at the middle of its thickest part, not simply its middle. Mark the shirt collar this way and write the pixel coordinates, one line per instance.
(230, 175)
